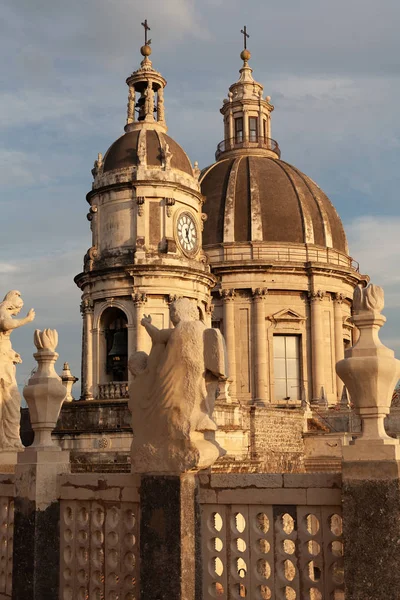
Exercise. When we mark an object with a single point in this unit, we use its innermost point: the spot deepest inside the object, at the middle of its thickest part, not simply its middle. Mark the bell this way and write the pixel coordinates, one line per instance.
(119, 348)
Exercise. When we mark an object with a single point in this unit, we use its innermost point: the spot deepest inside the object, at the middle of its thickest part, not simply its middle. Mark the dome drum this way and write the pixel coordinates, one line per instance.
(234, 146)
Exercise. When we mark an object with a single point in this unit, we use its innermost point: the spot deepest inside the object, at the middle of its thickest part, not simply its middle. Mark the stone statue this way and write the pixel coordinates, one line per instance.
(173, 393)
(10, 399)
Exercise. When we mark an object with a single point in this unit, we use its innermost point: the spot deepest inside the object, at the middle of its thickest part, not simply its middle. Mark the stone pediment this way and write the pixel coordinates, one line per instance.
(288, 315)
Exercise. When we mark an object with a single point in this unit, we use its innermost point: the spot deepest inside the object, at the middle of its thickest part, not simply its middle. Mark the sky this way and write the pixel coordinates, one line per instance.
(332, 70)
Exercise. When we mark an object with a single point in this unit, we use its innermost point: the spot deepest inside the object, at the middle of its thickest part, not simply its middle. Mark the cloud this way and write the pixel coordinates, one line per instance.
(19, 169)
(8, 268)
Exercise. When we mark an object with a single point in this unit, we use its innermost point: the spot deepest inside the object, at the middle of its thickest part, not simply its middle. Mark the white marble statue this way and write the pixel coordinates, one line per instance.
(10, 399)
(173, 393)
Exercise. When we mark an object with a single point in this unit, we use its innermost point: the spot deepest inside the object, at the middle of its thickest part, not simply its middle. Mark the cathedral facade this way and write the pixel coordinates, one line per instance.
(251, 239)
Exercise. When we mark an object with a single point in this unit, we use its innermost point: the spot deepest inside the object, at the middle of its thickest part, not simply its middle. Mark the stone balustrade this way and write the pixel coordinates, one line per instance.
(271, 536)
(113, 390)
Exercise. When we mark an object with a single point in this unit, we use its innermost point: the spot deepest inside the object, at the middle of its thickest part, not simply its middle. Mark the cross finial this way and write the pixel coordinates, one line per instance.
(146, 29)
(245, 36)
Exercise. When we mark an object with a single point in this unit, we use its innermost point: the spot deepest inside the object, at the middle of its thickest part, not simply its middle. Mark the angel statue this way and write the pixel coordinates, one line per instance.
(173, 393)
(10, 399)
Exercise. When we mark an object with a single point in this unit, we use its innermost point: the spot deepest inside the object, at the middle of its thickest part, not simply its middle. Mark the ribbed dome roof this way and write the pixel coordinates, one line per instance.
(123, 152)
(259, 198)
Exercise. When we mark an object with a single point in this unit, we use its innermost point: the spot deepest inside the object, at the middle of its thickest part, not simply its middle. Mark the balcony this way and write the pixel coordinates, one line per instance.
(113, 390)
(261, 142)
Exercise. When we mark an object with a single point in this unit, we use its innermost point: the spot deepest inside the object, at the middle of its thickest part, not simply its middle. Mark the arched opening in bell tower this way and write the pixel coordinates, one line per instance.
(115, 360)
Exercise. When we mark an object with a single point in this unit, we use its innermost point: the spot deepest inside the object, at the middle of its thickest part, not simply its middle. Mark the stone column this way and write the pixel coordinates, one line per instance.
(339, 346)
(371, 464)
(139, 300)
(245, 126)
(317, 339)
(259, 333)
(87, 349)
(228, 296)
(169, 534)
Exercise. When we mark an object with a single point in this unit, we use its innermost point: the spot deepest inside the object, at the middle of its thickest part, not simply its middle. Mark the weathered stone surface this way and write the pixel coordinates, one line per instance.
(371, 523)
(36, 551)
(169, 538)
(173, 394)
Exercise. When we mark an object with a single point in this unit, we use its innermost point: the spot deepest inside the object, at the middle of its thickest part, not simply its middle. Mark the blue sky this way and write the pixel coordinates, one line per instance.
(332, 70)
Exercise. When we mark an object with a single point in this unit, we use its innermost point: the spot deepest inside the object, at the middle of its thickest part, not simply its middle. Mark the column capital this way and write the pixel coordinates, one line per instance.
(140, 203)
(139, 298)
(227, 294)
(172, 298)
(316, 295)
(87, 306)
(259, 293)
(339, 297)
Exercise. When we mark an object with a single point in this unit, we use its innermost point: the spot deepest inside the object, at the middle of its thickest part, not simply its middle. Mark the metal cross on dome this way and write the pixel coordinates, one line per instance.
(245, 35)
(146, 29)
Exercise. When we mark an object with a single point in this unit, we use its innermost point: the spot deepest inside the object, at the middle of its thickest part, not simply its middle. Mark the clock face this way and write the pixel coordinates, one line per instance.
(187, 233)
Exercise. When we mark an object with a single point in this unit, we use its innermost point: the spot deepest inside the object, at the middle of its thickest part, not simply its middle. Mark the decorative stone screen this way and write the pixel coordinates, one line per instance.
(98, 550)
(99, 545)
(6, 545)
(271, 537)
(272, 552)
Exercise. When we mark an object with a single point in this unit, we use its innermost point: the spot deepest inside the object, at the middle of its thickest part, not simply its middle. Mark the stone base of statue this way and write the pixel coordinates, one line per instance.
(183, 455)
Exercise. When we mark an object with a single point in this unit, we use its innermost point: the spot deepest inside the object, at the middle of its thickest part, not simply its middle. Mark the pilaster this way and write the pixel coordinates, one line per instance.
(317, 339)
(228, 297)
(259, 333)
(339, 346)
(139, 300)
(87, 349)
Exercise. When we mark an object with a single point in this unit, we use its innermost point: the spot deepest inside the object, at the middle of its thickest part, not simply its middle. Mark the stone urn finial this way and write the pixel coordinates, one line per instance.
(370, 371)
(45, 392)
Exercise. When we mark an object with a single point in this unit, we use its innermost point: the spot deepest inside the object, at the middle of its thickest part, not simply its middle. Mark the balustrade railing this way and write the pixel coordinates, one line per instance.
(113, 390)
(271, 543)
(265, 143)
(99, 550)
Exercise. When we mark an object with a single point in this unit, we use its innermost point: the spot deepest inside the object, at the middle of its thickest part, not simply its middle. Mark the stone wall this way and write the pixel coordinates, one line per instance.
(276, 438)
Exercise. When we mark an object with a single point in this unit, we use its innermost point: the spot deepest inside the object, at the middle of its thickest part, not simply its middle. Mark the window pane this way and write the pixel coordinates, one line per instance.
(280, 389)
(287, 367)
(291, 346)
(280, 368)
(279, 346)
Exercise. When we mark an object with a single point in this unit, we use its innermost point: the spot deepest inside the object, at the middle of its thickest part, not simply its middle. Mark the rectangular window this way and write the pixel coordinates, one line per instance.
(239, 130)
(287, 367)
(253, 124)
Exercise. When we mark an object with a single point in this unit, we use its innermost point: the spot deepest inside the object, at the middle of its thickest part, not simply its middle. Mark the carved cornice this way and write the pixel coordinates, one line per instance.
(318, 295)
(227, 294)
(139, 298)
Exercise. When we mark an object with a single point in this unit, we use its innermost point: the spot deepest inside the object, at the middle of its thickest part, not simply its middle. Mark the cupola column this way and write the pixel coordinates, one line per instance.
(139, 300)
(339, 346)
(231, 123)
(245, 125)
(229, 334)
(87, 349)
(259, 332)
(317, 339)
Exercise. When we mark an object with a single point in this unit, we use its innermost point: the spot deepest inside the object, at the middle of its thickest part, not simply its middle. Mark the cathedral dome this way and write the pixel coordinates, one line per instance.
(124, 151)
(262, 198)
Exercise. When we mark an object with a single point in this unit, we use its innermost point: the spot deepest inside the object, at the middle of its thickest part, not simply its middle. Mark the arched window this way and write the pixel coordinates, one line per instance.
(114, 325)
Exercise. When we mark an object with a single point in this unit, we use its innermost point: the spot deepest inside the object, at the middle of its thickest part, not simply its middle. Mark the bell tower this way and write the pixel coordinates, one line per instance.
(146, 221)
